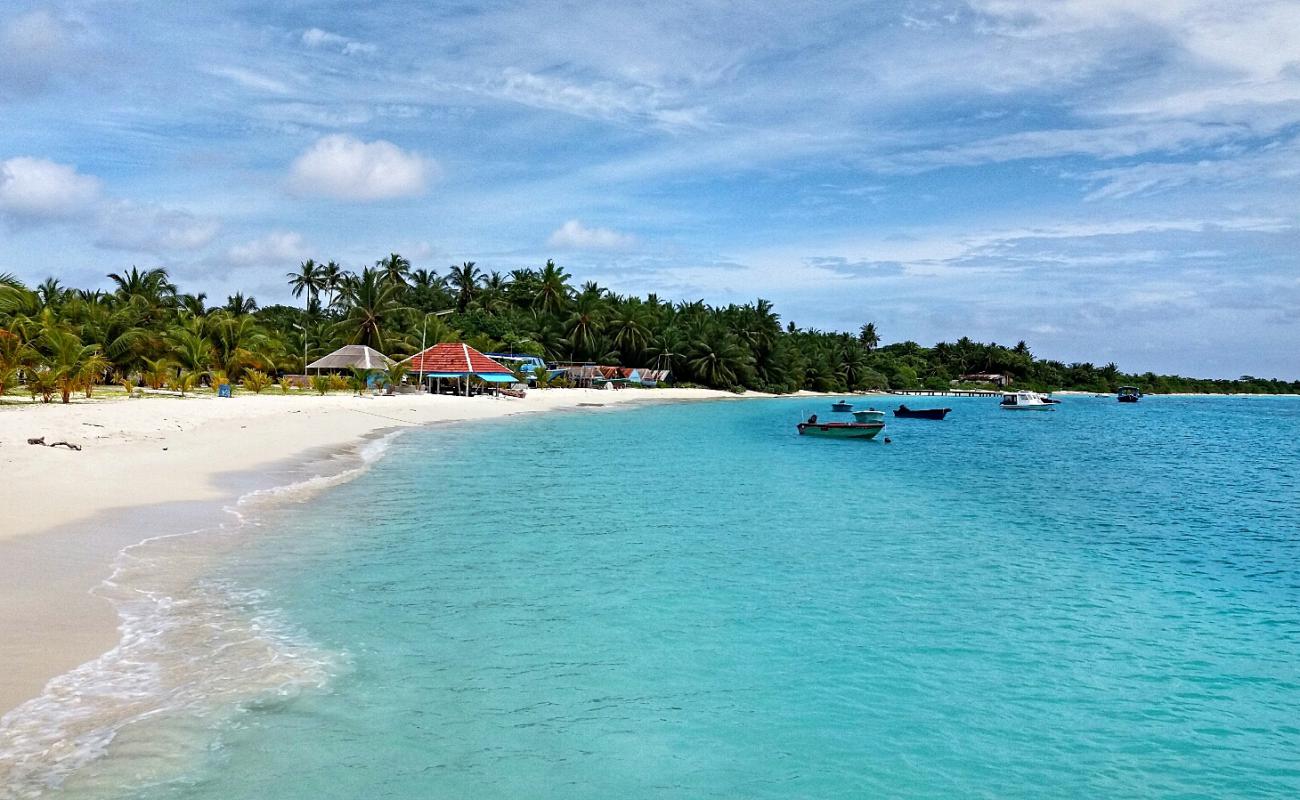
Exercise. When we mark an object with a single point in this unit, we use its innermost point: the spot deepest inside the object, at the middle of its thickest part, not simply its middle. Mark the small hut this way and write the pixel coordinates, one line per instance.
(352, 356)
(460, 362)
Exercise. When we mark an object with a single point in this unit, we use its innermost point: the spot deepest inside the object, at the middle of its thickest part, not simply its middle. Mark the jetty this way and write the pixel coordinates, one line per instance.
(946, 392)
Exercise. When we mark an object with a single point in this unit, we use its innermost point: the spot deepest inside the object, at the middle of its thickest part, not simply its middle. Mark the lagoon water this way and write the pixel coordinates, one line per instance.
(690, 601)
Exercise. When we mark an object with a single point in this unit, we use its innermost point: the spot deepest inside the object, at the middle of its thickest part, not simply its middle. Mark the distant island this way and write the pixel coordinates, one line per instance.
(58, 341)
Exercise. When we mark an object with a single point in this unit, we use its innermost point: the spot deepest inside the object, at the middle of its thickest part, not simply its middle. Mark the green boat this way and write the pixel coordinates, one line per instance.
(840, 430)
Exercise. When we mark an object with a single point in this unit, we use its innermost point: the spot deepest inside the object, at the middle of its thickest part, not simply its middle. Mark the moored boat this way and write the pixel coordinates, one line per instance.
(1129, 394)
(840, 430)
(841, 406)
(870, 415)
(1024, 401)
(921, 413)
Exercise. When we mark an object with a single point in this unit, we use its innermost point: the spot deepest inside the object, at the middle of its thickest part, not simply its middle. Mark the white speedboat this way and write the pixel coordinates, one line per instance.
(870, 415)
(1025, 401)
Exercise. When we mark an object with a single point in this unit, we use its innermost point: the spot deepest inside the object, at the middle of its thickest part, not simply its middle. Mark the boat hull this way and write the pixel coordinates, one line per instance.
(1043, 407)
(1127, 398)
(841, 407)
(841, 430)
(921, 413)
(870, 415)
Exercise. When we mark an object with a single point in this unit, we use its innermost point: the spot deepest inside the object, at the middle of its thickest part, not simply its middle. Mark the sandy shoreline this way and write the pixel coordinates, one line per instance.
(152, 466)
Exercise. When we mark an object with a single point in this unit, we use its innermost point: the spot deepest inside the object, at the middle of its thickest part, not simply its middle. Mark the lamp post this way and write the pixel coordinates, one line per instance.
(304, 347)
(424, 329)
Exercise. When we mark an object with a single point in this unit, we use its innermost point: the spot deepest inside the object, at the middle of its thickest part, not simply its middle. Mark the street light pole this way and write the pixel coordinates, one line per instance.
(304, 347)
(424, 329)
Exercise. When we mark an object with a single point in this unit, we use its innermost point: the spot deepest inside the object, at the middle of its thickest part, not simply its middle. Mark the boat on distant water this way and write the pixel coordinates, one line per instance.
(840, 430)
(1129, 394)
(921, 413)
(1024, 401)
(870, 415)
(841, 406)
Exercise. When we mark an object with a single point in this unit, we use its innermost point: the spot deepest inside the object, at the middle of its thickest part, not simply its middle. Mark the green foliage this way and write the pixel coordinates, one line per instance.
(256, 380)
(285, 385)
(321, 384)
(359, 379)
(74, 339)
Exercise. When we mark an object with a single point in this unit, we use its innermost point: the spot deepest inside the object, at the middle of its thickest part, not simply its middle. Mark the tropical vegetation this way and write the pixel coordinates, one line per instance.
(142, 330)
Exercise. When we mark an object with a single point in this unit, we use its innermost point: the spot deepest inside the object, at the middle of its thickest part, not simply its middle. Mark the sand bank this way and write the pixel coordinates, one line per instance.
(145, 467)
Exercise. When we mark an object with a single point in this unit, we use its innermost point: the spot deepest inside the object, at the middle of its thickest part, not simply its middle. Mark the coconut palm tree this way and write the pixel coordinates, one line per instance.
(237, 304)
(395, 268)
(465, 280)
(553, 290)
(371, 306)
(585, 325)
(308, 280)
(869, 337)
(153, 285)
(331, 279)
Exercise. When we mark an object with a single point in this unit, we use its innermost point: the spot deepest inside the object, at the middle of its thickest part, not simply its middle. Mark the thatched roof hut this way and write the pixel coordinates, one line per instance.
(352, 355)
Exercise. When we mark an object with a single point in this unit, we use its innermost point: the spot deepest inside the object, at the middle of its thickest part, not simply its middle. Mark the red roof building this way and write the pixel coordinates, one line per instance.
(456, 360)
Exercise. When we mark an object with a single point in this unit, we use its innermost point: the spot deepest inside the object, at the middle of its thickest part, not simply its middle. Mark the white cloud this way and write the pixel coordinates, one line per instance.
(574, 235)
(274, 249)
(346, 168)
(250, 79)
(35, 190)
(33, 48)
(600, 100)
(317, 38)
(125, 225)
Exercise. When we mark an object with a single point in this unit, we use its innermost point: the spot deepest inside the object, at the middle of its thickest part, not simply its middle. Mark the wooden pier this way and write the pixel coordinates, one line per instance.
(946, 393)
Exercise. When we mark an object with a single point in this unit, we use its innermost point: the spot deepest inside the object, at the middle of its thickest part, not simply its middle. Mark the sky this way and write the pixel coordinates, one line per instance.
(1108, 180)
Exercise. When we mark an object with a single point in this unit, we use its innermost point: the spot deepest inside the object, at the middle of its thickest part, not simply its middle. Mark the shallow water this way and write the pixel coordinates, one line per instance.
(691, 601)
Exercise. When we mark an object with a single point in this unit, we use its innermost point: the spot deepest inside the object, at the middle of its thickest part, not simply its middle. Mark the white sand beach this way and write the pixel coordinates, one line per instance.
(67, 511)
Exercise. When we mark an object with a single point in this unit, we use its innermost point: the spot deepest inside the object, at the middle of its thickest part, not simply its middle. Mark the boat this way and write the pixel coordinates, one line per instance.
(921, 413)
(1051, 401)
(1129, 394)
(841, 406)
(1024, 401)
(840, 430)
(870, 415)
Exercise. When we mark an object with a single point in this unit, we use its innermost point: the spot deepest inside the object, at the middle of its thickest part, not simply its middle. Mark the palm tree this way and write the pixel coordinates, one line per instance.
(153, 286)
(465, 281)
(868, 336)
(238, 342)
(239, 305)
(371, 304)
(631, 335)
(584, 325)
(717, 360)
(395, 268)
(553, 291)
(331, 279)
(309, 280)
(71, 364)
(193, 304)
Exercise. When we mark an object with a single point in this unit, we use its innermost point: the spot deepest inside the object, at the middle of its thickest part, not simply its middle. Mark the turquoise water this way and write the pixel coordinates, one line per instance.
(691, 601)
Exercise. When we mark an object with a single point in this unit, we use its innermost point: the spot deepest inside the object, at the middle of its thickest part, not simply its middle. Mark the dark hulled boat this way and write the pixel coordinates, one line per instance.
(921, 413)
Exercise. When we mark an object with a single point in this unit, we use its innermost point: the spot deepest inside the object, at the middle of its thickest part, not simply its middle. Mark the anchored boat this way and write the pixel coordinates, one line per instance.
(840, 430)
(841, 406)
(1129, 394)
(1024, 401)
(921, 413)
(870, 415)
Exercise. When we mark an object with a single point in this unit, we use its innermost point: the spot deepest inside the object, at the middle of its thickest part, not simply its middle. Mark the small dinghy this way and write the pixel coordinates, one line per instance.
(841, 406)
(840, 430)
(921, 413)
(870, 415)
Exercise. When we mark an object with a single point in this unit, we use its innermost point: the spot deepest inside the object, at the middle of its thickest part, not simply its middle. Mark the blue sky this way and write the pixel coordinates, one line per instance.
(1107, 180)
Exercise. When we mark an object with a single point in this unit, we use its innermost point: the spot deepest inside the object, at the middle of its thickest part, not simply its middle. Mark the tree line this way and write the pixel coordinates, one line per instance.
(59, 340)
